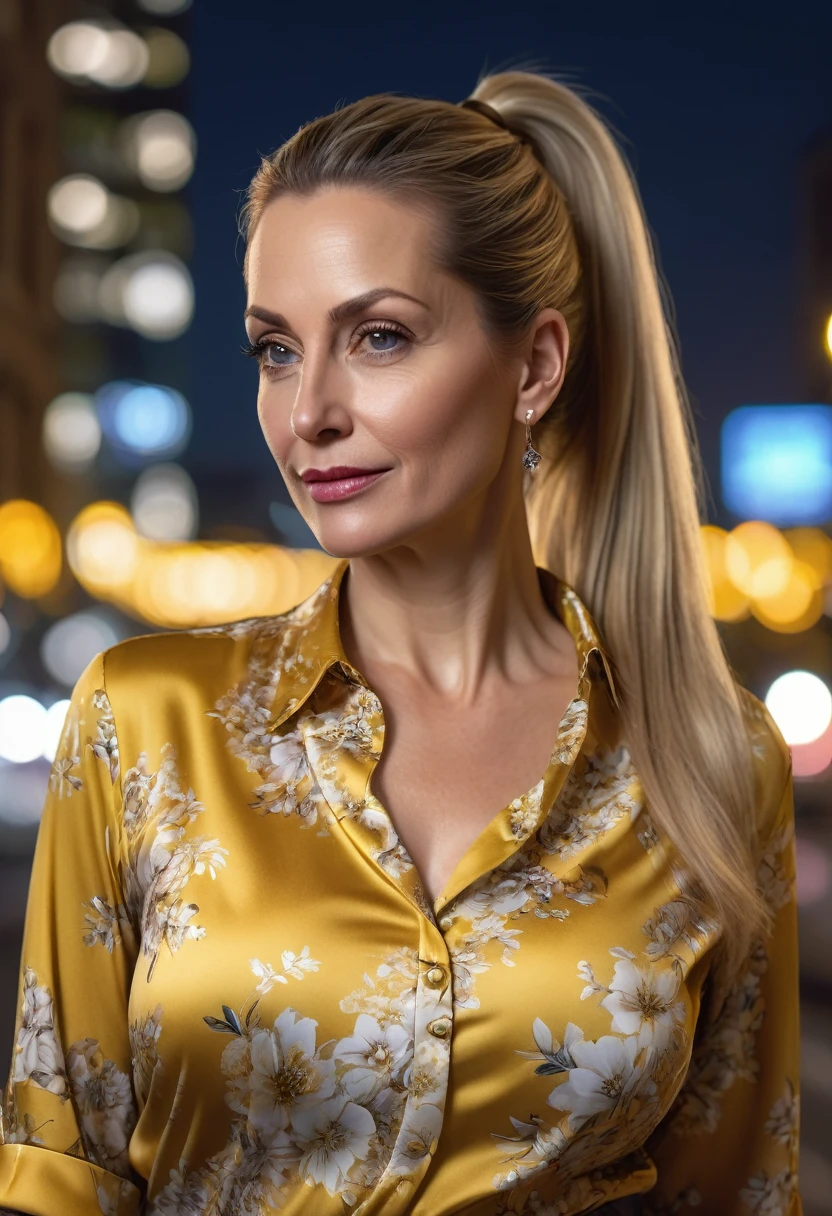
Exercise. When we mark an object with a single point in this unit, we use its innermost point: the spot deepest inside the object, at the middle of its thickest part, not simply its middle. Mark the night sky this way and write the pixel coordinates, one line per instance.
(714, 113)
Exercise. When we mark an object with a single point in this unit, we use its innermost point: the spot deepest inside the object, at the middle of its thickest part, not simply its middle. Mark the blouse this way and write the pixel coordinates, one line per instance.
(235, 997)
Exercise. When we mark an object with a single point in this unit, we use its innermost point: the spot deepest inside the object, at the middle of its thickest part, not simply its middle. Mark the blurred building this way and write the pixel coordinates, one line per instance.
(30, 161)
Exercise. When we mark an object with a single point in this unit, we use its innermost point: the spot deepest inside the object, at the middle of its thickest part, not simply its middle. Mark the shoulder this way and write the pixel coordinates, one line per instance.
(772, 762)
(149, 668)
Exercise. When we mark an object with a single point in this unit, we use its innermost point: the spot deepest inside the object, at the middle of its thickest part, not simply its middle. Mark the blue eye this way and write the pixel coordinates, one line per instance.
(276, 349)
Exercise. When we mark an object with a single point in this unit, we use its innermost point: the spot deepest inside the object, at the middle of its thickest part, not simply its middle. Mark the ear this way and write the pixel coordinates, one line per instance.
(544, 366)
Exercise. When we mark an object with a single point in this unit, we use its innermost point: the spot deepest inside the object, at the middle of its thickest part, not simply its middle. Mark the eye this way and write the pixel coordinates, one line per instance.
(262, 352)
(384, 337)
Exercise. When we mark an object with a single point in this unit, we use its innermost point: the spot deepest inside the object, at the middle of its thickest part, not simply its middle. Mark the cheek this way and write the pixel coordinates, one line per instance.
(453, 410)
(273, 424)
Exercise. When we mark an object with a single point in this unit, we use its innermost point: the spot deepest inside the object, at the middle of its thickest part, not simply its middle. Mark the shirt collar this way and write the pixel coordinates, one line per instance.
(319, 647)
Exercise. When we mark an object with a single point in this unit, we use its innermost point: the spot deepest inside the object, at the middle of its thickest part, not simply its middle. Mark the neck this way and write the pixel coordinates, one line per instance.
(456, 613)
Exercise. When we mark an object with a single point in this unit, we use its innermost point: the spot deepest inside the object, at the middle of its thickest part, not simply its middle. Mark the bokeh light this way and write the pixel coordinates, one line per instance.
(758, 559)
(77, 203)
(71, 431)
(30, 548)
(164, 503)
(150, 292)
(169, 59)
(727, 602)
(143, 419)
(105, 53)
(160, 146)
(5, 634)
(776, 463)
(103, 548)
(23, 727)
(801, 705)
(67, 646)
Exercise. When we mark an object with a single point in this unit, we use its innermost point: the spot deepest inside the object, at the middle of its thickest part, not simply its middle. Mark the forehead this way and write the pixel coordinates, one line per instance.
(339, 240)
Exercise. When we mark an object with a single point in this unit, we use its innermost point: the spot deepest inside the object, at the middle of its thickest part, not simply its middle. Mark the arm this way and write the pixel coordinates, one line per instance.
(69, 1107)
(729, 1144)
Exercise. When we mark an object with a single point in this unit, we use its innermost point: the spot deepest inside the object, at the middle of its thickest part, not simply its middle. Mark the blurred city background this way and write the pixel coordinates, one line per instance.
(136, 491)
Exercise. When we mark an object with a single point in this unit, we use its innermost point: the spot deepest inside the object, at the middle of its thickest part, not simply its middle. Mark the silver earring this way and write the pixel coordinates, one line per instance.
(531, 457)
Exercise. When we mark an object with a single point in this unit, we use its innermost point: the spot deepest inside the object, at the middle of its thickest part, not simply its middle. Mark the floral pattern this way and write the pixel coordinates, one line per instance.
(551, 1034)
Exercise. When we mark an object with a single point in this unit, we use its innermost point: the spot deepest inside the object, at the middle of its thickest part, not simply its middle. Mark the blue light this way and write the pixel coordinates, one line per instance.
(143, 419)
(777, 463)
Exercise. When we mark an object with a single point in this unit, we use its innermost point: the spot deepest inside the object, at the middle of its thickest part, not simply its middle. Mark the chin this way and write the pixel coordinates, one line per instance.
(345, 540)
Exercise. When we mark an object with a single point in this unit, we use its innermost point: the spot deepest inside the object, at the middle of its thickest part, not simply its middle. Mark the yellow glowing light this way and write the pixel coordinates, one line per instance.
(30, 548)
(829, 337)
(814, 548)
(103, 547)
(725, 600)
(797, 607)
(758, 559)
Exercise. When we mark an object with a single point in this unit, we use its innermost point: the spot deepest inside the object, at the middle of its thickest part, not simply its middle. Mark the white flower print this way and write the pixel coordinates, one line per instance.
(104, 924)
(332, 1135)
(294, 965)
(62, 780)
(162, 859)
(105, 744)
(595, 796)
(144, 1039)
(103, 1098)
(287, 1075)
(678, 923)
(375, 1057)
(642, 1001)
(417, 1137)
(38, 1055)
(185, 1194)
(606, 1073)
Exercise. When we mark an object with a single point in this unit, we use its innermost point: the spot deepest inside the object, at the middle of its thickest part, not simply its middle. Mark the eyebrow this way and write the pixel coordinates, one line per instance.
(340, 312)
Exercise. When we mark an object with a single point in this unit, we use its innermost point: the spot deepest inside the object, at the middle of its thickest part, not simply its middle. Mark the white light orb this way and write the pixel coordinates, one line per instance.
(124, 62)
(71, 431)
(78, 203)
(77, 49)
(801, 705)
(22, 729)
(55, 720)
(161, 146)
(69, 645)
(158, 298)
(164, 504)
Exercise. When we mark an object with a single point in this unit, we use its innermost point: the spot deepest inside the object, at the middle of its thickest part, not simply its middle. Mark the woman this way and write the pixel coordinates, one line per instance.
(538, 955)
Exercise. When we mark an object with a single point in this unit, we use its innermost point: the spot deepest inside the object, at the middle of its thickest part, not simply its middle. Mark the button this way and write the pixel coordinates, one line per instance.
(446, 922)
(440, 1028)
(436, 976)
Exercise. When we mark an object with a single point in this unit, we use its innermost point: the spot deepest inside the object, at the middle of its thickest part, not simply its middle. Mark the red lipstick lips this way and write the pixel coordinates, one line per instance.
(339, 481)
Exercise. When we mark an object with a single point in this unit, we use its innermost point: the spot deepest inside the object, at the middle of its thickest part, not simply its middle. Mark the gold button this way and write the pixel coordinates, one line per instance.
(435, 976)
(441, 1028)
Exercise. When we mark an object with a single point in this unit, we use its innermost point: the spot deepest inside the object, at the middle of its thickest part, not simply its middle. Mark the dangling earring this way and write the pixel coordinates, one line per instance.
(531, 457)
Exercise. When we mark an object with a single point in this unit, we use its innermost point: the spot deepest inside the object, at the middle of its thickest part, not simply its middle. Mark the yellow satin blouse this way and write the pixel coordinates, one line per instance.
(235, 998)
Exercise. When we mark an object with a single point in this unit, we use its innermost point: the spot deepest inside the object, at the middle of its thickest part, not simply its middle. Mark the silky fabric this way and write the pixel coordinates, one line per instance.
(235, 996)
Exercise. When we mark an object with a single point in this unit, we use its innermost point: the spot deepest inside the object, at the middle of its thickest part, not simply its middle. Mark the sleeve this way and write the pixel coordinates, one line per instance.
(68, 1106)
(729, 1144)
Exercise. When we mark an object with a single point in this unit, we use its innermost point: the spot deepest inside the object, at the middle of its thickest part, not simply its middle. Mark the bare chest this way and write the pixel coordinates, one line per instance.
(442, 777)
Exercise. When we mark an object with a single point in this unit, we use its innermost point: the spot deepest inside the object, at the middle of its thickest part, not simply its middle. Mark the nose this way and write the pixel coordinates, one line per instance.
(319, 409)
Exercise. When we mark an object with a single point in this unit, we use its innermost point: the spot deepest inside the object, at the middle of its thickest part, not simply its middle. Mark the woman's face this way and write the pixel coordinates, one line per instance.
(403, 382)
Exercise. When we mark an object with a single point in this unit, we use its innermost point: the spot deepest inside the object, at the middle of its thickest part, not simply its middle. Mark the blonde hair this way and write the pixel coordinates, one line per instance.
(554, 219)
